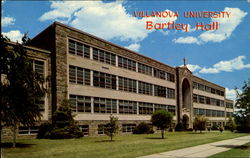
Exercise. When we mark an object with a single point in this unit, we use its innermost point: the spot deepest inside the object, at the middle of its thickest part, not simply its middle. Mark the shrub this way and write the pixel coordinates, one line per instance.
(200, 122)
(63, 126)
(214, 127)
(230, 125)
(221, 129)
(185, 121)
(243, 128)
(143, 128)
(179, 127)
(44, 129)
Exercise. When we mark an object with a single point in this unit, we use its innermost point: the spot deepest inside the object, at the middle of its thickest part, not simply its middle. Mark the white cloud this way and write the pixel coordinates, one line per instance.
(225, 30)
(14, 35)
(134, 47)
(228, 66)
(6, 21)
(193, 67)
(231, 93)
(187, 40)
(109, 20)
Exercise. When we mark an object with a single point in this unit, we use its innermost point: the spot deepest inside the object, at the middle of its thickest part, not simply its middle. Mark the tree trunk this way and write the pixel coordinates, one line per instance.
(14, 136)
(162, 134)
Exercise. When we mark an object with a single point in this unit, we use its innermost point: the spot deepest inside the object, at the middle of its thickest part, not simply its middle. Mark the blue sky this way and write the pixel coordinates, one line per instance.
(221, 56)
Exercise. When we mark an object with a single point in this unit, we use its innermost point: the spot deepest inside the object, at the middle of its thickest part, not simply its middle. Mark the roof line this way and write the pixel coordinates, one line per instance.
(98, 38)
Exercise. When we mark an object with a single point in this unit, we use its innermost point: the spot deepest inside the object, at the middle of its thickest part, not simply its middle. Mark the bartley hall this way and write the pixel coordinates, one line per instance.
(101, 78)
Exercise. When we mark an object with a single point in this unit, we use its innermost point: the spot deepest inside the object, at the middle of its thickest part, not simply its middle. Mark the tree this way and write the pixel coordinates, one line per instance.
(230, 125)
(242, 117)
(111, 128)
(64, 125)
(22, 87)
(162, 119)
(200, 122)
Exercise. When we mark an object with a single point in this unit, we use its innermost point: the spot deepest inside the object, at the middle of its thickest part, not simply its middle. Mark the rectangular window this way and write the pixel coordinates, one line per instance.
(172, 109)
(196, 112)
(79, 47)
(145, 88)
(170, 93)
(170, 77)
(195, 98)
(160, 107)
(126, 63)
(105, 57)
(79, 75)
(128, 128)
(72, 47)
(84, 129)
(208, 100)
(159, 74)
(27, 130)
(127, 107)
(104, 80)
(39, 67)
(80, 103)
(100, 129)
(159, 91)
(126, 84)
(144, 69)
(103, 105)
(201, 99)
(145, 108)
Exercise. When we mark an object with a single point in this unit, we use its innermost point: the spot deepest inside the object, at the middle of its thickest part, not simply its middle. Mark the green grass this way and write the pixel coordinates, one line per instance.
(123, 146)
(242, 151)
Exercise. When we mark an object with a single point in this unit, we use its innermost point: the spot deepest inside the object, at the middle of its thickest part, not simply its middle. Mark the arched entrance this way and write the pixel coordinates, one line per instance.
(186, 95)
(186, 103)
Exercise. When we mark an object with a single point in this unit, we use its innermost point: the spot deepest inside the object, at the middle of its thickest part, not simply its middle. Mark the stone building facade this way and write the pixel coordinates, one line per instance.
(101, 78)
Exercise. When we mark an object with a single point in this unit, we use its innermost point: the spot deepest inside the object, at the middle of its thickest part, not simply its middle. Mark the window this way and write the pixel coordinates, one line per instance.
(170, 77)
(229, 105)
(201, 87)
(145, 88)
(195, 98)
(208, 100)
(27, 130)
(128, 128)
(145, 108)
(159, 74)
(100, 129)
(160, 107)
(80, 103)
(196, 112)
(159, 91)
(103, 105)
(170, 93)
(127, 107)
(171, 108)
(104, 80)
(214, 113)
(195, 85)
(84, 129)
(126, 84)
(144, 69)
(79, 75)
(39, 67)
(126, 63)
(40, 102)
(201, 99)
(103, 56)
(78, 48)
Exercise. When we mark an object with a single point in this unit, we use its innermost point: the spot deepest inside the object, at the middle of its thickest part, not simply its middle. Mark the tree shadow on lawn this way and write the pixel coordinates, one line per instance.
(104, 141)
(18, 145)
(196, 133)
(243, 147)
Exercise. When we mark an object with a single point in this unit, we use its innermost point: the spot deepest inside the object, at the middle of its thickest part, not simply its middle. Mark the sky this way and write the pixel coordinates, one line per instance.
(220, 56)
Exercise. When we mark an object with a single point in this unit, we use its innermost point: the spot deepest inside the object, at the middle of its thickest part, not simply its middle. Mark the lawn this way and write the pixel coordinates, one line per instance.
(242, 151)
(123, 146)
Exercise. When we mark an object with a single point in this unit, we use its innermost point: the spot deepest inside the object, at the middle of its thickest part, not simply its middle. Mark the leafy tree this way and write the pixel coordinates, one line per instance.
(200, 122)
(64, 125)
(242, 116)
(21, 87)
(111, 128)
(162, 119)
(143, 128)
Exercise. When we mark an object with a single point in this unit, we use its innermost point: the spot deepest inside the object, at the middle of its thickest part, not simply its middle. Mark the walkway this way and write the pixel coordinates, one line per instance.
(204, 150)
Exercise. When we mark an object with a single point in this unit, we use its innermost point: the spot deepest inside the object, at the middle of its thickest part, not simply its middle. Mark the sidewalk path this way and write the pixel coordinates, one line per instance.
(204, 150)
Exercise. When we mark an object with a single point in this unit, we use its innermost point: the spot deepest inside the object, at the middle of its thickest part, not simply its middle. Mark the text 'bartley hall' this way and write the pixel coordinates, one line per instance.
(101, 78)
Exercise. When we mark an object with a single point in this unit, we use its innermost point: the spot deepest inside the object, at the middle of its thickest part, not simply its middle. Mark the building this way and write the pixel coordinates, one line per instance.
(101, 78)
